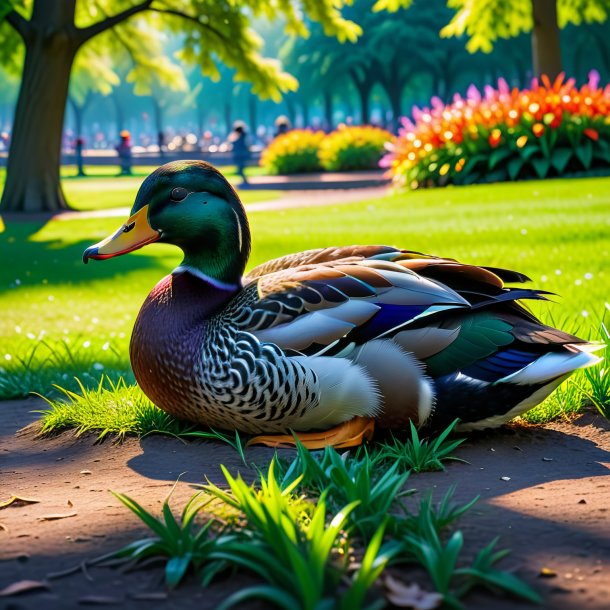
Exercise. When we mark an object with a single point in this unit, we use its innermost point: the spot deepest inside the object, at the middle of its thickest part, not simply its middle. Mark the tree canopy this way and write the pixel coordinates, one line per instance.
(53, 32)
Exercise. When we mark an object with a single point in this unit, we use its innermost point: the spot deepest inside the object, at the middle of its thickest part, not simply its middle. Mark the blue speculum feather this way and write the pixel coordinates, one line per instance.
(500, 365)
(387, 318)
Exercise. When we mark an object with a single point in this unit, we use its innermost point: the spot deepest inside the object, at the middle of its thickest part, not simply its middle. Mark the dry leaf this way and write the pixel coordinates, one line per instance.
(505, 478)
(70, 504)
(3, 527)
(23, 586)
(99, 600)
(547, 573)
(86, 472)
(18, 501)
(55, 516)
(411, 596)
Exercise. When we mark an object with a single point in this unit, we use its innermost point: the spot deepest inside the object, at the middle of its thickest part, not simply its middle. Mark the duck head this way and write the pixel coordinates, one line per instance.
(189, 204)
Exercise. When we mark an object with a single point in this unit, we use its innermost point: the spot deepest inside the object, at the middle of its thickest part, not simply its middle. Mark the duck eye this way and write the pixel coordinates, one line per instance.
(178, 194)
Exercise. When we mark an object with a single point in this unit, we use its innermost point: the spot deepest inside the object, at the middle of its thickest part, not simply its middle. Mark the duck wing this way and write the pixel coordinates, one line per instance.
(311, 308)
(409, 258)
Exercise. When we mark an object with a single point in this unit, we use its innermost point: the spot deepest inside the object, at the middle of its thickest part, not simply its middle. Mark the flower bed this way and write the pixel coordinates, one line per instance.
(294, 152)
(353, 148)
(550, 129)
(345, 149)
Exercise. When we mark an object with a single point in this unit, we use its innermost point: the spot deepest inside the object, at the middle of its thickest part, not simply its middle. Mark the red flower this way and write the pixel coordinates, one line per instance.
(494, 137)
(591, 133)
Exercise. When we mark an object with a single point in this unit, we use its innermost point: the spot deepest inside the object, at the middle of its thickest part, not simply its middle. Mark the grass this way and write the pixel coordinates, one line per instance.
(557, 232)
(304, 552)
(419, 455)
(111, 408)
(102, 189)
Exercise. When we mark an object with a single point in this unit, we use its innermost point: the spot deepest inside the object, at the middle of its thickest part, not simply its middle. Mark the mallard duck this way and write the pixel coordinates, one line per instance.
(325, 342)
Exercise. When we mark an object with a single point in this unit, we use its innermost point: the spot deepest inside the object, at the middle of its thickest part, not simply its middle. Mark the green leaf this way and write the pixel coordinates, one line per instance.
(504, 581)
(584, 152)
(272, 594)
(155, 525)
(499, 154)
(541, 166)
(176, 569)
(560, 158)
(528, 151)
(514, 167)
(5, 8)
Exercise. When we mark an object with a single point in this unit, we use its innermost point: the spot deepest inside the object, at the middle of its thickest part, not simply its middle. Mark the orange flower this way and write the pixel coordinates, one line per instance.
(521, 141)
(591, 133)
(538, 129)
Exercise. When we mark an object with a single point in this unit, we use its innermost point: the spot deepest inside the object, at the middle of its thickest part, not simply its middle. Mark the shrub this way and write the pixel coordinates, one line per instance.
(550, 129)
(353, 148)
(294, 152)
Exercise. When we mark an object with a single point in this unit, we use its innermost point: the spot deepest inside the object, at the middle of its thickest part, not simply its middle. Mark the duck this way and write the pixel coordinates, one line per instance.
(326, 345)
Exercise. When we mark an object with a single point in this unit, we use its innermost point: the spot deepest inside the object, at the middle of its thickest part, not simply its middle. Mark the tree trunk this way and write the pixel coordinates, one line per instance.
(228, 120)
(119, 114)
(32, 175)
(290, 108)
(305, 113)
(252, 113)
(364, 86)
(328, 111)
(546, 50)
(394, 92)
(201, 115)
(158, 112)
(365, 112)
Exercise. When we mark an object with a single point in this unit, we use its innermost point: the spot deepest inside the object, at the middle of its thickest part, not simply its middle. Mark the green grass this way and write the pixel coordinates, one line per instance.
(304, 550)
(102, 189)
(111, 408)
(557, 232)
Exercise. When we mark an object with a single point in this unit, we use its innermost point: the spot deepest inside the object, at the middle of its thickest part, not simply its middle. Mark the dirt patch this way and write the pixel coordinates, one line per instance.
(544, 491)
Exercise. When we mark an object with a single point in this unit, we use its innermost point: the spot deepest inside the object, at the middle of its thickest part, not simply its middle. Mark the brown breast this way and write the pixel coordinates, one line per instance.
(167, 338)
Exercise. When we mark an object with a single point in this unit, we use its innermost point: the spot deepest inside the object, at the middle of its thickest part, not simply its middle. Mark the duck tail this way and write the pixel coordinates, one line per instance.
(553, 365)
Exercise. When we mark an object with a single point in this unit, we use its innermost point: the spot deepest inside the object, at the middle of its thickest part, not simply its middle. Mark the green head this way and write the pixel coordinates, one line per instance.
(189, 204)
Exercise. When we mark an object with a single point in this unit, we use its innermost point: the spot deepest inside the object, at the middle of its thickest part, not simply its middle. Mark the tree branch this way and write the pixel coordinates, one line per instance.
(204, 26)
(101, 26)
(20, 24)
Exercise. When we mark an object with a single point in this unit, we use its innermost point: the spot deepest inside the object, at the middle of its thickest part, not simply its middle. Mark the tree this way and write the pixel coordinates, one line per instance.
(53, 31)
(91, 74)
(486, 22)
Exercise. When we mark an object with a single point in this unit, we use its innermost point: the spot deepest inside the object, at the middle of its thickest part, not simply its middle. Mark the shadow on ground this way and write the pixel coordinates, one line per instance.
(552, 511)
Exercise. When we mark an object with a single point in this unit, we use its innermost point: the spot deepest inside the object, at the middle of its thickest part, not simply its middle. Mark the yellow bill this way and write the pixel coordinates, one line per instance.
(134, 234)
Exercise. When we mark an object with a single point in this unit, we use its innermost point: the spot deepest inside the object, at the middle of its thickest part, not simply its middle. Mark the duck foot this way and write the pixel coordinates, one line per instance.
(351, 433)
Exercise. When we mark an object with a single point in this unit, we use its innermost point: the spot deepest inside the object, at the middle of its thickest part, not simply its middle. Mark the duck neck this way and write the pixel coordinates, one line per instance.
(221, 252)
(212, 282)
(219, 268)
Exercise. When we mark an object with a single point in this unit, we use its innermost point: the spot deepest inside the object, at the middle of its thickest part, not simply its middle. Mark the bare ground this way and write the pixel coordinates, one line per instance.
(554, 512)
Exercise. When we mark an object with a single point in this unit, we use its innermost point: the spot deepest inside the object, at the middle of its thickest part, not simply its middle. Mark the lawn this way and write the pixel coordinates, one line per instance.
(557, 232)
(291, 528)
(102, 189)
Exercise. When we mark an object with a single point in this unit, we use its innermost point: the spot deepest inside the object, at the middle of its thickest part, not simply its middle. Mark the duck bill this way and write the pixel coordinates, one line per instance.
(134, 234)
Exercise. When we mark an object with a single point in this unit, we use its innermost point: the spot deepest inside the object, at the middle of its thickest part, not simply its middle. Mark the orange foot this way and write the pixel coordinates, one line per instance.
(348, 434)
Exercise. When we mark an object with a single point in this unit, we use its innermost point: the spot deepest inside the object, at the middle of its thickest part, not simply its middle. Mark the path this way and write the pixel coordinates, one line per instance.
(296, 199)
(553, 511)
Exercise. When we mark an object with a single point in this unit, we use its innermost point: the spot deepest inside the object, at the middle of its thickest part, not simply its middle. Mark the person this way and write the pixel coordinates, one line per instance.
(240, 149)
(282, 125)
(124, 151)
(161, 143)
(79, 144)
